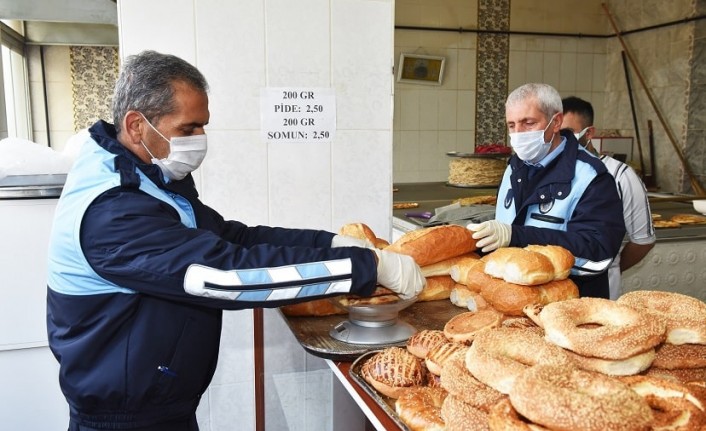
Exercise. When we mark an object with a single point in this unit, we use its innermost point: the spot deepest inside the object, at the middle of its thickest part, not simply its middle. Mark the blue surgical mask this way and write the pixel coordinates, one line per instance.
(530, 146)
(185, 154)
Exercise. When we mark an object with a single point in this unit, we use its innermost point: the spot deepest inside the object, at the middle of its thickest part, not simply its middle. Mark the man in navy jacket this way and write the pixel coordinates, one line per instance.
(140, 269)
(554, 192)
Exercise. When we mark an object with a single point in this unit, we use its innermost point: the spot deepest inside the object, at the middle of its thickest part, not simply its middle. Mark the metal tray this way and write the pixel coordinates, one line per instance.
(385, 403)
(478, 155)
(473, 186)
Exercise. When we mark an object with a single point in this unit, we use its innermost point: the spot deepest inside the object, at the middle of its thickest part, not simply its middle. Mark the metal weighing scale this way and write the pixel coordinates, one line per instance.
(374, 324)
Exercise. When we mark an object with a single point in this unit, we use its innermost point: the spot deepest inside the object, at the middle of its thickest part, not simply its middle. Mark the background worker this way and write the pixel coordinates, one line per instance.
(554, 193)
(140, 269)
(578, 117)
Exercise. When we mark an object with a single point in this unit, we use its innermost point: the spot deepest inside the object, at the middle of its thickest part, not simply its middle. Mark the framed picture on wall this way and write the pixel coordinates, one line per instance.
(421, 69)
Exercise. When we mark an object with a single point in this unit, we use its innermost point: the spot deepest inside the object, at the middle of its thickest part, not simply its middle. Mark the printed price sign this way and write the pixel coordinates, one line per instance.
(298, 114)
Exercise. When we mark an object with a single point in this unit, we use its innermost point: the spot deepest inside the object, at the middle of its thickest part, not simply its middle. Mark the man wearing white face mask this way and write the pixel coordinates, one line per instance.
(553, 193)
(578, 117)
(140, 269)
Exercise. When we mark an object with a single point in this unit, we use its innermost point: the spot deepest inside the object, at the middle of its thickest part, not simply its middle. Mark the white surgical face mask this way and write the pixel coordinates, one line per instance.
(580, 135)
(530, 146)
(185, 154)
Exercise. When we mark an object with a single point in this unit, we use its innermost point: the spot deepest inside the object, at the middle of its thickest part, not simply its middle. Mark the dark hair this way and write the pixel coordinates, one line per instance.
(579, 107)
(145, 85)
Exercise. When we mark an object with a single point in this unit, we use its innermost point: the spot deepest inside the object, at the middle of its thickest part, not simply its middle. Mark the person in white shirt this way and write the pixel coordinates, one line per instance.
(578, 117)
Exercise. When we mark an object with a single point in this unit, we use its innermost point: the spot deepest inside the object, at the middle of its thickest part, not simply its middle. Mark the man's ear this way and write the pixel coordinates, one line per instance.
(133, 128)
(558, 120)
(590, 133)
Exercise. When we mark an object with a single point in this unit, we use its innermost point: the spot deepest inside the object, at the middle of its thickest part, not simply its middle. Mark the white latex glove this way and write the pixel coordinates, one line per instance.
(349, 241)
(399, 273)
(492, 234)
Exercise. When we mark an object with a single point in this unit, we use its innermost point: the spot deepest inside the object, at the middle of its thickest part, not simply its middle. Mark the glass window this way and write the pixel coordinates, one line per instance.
(15, 118)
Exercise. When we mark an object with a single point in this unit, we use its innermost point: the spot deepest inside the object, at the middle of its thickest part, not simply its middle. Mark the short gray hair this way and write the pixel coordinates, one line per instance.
(145, 85)
(547, 98)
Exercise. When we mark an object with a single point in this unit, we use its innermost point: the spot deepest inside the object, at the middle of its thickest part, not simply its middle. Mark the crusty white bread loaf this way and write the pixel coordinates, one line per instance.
(444, 267)
(510, 298)
(437, 287)
(462, 296)
(434, 244)
(519, 266)
(362, 231)
(358, 230)
(380, 243)
(562, 260)
(466, 272)
(317, 307)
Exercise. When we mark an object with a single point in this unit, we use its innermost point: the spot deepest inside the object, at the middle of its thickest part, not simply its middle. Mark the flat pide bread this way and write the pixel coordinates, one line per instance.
(661, 224)
(689, 218)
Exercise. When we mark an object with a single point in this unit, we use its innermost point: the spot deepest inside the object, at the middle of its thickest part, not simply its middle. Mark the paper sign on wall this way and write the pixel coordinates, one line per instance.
(297, 114)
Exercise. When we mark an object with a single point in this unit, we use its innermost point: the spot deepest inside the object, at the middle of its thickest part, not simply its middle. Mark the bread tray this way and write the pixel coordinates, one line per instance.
(386, 404)
(473, 186)
(478, 155)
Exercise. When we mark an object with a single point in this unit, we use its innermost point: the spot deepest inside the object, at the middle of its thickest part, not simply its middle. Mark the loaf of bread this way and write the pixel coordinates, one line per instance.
(510, 298)
(317, 307)
(434, 244)
(519, 266)
(562, 260)
(437, 287)
(444, 267)
(362, 231)
(470, 273)
(462, 296)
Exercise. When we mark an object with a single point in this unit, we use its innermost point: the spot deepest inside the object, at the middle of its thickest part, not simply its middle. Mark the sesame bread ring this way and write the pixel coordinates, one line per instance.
(459, 382)
(498, 357)
(420, 408)
(421, 342)
(672, 356)
(563, 398)
(682, 375)
(685, 316)
(622, 331)
(673, 404)
(459, 416)
(698, 388)
(615, 367)
(504, 417)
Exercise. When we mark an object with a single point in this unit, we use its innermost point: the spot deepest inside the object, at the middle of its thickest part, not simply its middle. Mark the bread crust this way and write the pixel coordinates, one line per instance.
(437, 287)
(519, 266)
(562, 260)
(444, 267)
(510, 299)
(434, 244)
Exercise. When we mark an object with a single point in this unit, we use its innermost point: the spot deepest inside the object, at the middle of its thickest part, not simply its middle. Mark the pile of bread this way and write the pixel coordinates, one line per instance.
(506, 280)
(638, 363)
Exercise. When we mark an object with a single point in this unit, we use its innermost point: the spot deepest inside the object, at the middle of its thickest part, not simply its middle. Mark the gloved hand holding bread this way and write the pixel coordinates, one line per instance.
(491, 234)
(399, 273)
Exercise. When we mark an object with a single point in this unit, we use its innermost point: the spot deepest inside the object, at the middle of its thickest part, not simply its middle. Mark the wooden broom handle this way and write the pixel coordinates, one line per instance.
(698, 188)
